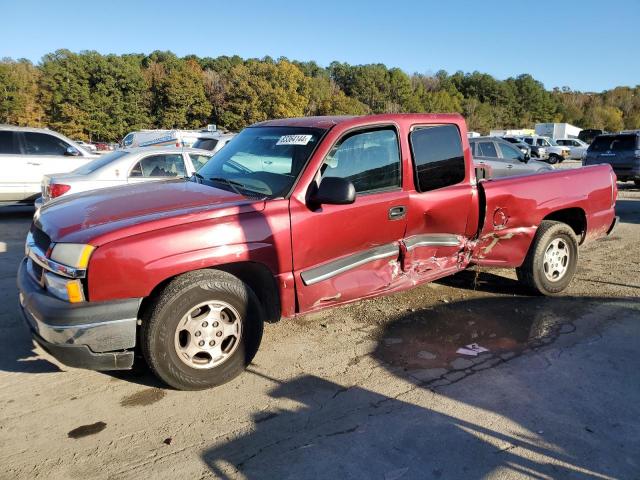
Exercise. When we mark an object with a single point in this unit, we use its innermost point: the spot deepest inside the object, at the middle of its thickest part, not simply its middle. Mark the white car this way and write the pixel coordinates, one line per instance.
(27, 154)
(126, 166)
(577, 148)
(89, 147)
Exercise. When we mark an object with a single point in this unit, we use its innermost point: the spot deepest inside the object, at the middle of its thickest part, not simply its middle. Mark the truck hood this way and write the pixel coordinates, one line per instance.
(108, 214)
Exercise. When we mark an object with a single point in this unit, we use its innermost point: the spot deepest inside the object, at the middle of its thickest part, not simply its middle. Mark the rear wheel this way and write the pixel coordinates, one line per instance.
(202, 331)
(552, 259)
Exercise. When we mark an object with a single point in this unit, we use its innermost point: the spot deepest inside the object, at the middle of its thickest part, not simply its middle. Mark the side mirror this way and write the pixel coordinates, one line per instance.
(525, 158)
(334, 191)
(72, 152)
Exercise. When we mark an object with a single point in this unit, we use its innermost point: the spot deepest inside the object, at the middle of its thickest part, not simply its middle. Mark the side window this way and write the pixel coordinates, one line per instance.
(437, 157)
(487, 149)
(198, 160)
(529, 141)
(540, 142)
(510, 153)
(8, 143)
(370, 160)
(159, 166)
(43, 144)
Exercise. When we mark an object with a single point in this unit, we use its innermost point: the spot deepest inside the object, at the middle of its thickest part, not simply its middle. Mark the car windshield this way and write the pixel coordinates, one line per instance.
(552, 142)
(261, 161)
(99, 162)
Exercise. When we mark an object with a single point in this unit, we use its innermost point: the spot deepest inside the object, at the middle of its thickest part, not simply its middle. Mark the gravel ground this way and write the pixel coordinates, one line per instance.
(371, 390)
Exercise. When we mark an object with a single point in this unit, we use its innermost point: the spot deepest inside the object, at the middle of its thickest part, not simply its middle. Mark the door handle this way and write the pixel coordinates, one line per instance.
(509, 166)
(268, 162)
(396, 213)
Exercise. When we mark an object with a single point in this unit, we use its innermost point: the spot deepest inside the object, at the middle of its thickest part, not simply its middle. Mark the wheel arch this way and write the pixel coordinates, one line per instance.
(575, 217)
(254, 274)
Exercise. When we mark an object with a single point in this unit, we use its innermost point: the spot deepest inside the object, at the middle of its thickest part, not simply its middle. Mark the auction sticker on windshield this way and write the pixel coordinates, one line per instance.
(294, 139)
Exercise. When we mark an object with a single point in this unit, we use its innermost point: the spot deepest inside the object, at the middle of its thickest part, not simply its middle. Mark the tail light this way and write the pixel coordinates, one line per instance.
(57, 189)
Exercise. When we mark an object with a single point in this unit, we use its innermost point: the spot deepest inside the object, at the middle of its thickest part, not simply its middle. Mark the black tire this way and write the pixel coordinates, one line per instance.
(532, 273)
(160, 321)
(553, 159)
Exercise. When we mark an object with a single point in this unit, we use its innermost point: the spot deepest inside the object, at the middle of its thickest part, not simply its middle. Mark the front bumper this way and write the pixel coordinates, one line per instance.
(92, 335)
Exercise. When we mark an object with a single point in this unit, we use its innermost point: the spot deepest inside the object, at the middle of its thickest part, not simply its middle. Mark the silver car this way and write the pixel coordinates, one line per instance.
(126, 166)
(502, 159)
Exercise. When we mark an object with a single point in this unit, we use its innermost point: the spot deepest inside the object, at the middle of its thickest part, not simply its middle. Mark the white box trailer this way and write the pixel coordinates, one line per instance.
(514, 132)
(557, 130)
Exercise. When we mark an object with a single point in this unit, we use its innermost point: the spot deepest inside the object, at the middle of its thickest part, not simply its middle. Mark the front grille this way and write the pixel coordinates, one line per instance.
(41, 239)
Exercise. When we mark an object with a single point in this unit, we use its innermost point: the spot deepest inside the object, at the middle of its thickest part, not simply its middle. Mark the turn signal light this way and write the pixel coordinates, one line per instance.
(57, 189)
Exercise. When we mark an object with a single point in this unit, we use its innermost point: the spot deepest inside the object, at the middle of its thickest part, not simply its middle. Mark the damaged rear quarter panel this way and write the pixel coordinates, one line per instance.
(515, 207)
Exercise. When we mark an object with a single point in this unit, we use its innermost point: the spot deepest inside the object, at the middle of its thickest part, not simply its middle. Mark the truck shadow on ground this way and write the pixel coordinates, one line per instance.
(316, 428)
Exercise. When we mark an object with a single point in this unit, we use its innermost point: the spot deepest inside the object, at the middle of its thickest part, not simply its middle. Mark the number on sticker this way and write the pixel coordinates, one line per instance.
(294, 139)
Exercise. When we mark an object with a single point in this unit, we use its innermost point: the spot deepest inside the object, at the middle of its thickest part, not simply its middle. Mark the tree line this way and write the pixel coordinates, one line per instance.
(90, 96)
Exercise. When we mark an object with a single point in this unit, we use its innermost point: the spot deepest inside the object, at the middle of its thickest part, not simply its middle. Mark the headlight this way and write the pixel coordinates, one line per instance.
(64, 288)
(74, 255)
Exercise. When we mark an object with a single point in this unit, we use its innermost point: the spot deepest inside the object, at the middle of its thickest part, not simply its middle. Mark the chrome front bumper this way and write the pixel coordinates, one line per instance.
(93, 335)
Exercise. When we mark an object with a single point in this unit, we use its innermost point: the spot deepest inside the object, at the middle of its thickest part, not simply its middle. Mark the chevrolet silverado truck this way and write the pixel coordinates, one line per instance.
(292, 216)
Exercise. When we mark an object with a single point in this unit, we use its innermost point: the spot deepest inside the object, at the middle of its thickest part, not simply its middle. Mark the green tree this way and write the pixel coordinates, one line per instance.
(19, 93)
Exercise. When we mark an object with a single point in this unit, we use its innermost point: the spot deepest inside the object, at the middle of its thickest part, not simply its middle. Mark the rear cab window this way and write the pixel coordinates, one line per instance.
(438, 157)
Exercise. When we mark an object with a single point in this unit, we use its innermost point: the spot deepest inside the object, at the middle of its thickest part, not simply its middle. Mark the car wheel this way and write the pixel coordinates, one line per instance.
(552, 259)
(202, 330)
(553, 159)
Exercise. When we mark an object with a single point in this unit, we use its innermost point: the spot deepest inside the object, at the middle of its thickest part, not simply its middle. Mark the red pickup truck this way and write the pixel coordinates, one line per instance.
(292, 216)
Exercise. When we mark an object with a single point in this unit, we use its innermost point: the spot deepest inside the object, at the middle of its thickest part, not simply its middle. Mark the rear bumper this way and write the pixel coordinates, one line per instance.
(92, 335)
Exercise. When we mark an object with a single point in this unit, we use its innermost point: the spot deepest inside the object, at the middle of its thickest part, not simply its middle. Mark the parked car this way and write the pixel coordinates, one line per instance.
(555, 153)
(577, 148)
(621, 151)
(127, 166)
(589, 134)
(89, 147)
(214, 144)
(503, 159)
(105, 147)
(189, 270)
(523, 147)
(29, 153)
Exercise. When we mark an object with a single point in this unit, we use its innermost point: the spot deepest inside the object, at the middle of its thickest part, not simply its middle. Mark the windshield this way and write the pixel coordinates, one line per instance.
(99, 162)
(261, 161)
(205, 143)
(552, 142)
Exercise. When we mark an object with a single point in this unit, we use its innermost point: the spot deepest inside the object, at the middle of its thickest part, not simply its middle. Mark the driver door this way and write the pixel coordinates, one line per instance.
(345, 252)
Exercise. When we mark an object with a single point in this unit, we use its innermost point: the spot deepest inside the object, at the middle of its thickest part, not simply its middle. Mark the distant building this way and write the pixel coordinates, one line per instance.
(557, 130)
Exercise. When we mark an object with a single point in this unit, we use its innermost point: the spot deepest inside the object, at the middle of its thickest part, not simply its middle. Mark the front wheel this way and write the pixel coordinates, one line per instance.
(553, 159)
(552, 259)
(202, 330)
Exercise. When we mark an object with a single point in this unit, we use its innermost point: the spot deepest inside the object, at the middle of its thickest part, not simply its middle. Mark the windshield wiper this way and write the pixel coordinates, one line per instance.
(233, 184)
(197, 175)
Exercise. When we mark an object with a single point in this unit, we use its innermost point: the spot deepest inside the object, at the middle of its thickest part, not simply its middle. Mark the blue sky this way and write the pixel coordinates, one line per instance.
(586, 45)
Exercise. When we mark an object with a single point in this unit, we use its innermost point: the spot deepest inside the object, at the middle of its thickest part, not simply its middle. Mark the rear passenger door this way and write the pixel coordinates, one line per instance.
(443, 208)
(163, 166)
(13, 168)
